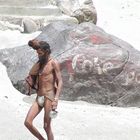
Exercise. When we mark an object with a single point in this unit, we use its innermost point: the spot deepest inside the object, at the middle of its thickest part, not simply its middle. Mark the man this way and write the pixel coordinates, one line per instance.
(45, 77)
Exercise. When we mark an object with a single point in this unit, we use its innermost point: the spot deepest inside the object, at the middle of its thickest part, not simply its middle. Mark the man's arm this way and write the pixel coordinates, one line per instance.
(56, 67)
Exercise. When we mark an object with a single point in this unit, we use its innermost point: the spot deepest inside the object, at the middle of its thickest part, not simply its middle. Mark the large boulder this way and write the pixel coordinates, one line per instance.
(29, 25)
(96, 67)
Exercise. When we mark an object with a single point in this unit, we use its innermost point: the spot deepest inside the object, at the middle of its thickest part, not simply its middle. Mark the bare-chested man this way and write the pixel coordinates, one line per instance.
(45, 77)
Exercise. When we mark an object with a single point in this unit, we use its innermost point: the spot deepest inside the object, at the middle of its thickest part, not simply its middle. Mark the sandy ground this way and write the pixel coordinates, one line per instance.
(76, 120)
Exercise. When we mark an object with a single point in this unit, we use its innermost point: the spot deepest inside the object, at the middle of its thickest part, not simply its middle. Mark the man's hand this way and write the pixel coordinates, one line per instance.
(54, 104)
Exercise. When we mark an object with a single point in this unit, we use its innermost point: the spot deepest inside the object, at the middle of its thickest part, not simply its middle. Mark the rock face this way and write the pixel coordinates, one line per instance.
(29, 25)
(96, 67)
(83, 10)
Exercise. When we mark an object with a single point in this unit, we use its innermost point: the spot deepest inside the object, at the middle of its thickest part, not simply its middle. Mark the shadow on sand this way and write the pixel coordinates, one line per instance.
(29, 99)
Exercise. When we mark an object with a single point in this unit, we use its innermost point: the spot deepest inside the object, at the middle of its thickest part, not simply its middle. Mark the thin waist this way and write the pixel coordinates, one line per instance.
(45, 93)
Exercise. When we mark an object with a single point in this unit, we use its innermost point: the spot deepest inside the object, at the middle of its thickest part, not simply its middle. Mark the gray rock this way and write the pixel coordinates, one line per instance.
(84, 10)
(29, 25)
(96, 67)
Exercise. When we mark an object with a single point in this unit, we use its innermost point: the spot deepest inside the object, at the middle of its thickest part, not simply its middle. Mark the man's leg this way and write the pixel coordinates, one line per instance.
(33, 112)
(47, 119)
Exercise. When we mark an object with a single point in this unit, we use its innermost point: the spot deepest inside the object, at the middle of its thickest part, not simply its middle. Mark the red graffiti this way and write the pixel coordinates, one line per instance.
(95, 39)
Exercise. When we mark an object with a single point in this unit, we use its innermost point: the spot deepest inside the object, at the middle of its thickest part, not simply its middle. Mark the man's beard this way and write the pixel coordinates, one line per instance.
(42, 61)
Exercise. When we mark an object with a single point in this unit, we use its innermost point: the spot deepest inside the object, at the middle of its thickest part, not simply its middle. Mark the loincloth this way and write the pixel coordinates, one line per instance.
(41, 99)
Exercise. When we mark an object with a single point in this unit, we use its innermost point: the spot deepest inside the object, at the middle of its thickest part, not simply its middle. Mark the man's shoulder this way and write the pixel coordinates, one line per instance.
(54, 62)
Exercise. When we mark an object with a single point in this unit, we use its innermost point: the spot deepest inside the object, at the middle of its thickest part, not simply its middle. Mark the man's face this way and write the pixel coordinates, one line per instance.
(40, 53)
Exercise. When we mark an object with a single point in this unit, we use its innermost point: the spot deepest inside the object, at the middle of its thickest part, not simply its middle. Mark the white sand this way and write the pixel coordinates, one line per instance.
(76, 120)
